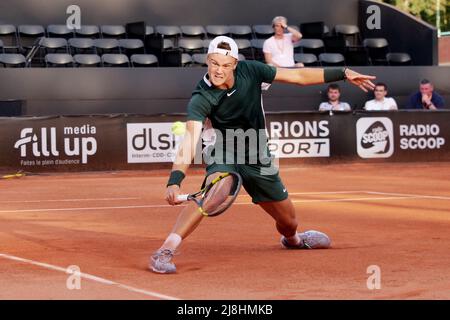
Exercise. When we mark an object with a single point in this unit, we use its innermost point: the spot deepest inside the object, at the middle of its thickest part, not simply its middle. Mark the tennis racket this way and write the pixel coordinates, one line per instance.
(216, 197)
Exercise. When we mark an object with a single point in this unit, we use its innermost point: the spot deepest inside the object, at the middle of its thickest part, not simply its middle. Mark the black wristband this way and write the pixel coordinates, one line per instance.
(176, 177)
(334, 74)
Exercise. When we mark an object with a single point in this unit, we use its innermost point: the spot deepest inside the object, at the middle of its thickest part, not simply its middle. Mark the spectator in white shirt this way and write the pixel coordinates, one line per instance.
(333, 103)
(381, 103)
(278, 49)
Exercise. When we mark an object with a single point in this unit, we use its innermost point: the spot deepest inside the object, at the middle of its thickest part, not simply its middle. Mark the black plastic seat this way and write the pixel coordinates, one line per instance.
(308, 59)
(377, 49)
(59, 31)
(115, 60)
(332, 59)
(81, 45)
(213, 31)
(29, 34)
(399, 59)
(350, 32)
(144, 60)
(113, 31)
(104, 46)
(241, 32)
(263, 31)
(193, 32)
(59, 60)
(191, 45)
(88, 31)
(314, 46)
(87, 60)
(13, 60)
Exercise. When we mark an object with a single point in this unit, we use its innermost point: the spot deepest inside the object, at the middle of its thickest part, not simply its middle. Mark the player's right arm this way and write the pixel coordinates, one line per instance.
(184, 157)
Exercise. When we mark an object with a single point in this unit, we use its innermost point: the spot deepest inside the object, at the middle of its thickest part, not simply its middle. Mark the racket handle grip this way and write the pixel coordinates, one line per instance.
(183, 197)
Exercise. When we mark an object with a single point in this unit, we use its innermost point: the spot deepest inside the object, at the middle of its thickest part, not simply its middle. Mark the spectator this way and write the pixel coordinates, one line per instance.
(381, 103)
(334, 93)
(426, 98)
(278, 49)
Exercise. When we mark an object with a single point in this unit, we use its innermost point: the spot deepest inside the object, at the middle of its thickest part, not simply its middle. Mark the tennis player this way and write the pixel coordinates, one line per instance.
(229, 95)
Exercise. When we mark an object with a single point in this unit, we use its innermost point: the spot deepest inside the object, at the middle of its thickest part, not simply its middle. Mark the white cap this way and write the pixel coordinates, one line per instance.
(234, 52)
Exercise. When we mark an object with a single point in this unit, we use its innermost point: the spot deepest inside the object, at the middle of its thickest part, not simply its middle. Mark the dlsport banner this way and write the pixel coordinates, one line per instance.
(82, 143)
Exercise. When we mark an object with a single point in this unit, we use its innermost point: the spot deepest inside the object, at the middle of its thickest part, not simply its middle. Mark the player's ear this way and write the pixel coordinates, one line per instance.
(235, 64)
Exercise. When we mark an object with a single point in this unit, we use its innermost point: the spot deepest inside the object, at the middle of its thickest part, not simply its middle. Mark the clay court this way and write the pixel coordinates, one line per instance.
(395, 216)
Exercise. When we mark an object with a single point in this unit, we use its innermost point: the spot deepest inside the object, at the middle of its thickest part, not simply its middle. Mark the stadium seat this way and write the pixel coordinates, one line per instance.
(2, 50)
(308, 59)
(149, 30)
(199, 59)
(349, 32)
(131, 46)
(115, 60)
(8, 34)
(193, 32)
(144, 60)
(377, 48)
(82, 45)
(263, 31)
(87, 60)
(59, 60)
(399, 59)
(191, 45)
(332, 59)
(257, 45)
(53, 45)
(245, 48)
(13, 60)
(241, 57)
(168, 44)
(241, 32)
(186, 59)
(29, 34)
(104, 46)
(213, 31)
(313, 30)
(88, 31)
(113, 31)
(314, 46)
(59, 31)
(169, 33)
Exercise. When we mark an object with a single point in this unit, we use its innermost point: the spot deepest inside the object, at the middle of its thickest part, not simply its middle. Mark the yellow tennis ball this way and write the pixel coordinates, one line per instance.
(178, 128)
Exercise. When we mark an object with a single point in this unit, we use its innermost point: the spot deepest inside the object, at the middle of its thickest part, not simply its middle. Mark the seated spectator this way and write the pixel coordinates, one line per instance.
(334, 93)
(426, 98)
(380, 102)
(278, 49)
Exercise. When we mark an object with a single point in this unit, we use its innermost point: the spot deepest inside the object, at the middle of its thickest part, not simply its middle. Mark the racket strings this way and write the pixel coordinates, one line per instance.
(220, 195)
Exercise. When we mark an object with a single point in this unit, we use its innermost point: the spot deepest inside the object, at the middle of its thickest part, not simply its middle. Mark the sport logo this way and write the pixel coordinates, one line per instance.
(375, 137)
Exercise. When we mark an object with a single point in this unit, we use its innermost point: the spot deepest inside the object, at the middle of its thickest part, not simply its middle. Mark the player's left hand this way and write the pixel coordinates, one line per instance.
(360, 80)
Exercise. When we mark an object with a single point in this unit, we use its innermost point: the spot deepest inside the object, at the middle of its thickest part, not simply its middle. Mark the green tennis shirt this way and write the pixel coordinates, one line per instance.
(239, 107)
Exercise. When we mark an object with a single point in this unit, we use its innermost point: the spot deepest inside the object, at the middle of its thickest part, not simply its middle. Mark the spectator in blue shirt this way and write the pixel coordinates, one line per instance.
(426, 98)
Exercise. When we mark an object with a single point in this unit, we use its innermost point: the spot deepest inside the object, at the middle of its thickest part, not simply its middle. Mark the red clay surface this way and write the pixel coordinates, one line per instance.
(108, 224)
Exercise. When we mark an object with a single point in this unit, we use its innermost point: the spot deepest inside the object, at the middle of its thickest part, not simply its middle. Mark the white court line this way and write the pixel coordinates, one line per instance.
(89, 277)
(403, 197)
(67, 200)
(410, 195)
(89, 208)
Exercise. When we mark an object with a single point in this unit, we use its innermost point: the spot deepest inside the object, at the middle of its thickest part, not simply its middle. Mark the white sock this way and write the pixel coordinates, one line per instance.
(172, 242)
(294, 240)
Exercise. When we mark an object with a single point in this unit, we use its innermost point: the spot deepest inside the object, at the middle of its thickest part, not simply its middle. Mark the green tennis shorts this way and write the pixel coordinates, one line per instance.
(262, 185)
